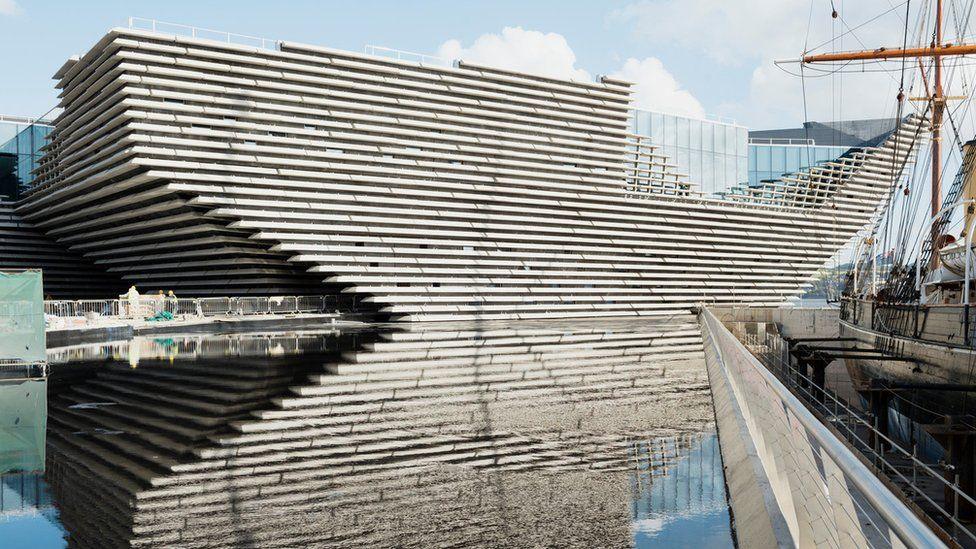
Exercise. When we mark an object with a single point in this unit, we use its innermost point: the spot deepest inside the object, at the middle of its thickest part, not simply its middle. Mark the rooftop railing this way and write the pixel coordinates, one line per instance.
(23, 120)
(403, 55)
(706, 117)
(780, 141)
(153, 25)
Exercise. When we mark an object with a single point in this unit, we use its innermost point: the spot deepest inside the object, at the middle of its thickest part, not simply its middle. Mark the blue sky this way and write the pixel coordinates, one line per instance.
(709, 56)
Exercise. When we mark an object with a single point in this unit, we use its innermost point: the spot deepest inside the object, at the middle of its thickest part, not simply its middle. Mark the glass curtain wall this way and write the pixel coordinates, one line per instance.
(20, 154)
(711, 153)
(771, 161)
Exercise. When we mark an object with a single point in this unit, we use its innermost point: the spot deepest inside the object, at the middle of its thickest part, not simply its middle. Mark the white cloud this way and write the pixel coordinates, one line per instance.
(522, 50)
(10, 7)
(725, 31)
(656, 88)
(750, 34)
(550, 54)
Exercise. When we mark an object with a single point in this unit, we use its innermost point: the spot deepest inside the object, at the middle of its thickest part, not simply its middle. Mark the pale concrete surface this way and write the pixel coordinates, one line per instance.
(793, 322)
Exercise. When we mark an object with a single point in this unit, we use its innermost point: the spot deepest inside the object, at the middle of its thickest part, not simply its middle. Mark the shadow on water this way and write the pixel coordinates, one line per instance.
(528, 434)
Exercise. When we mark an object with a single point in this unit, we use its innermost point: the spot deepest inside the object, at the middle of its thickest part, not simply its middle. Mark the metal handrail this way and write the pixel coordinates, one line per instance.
(403, 55)
(890, 442)
(154, 25)
(782, 141)
(26, 121)
(898, 517)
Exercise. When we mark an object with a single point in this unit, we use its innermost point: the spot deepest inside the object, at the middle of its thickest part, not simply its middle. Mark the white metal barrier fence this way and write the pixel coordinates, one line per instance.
(149, 305)
(826, 495)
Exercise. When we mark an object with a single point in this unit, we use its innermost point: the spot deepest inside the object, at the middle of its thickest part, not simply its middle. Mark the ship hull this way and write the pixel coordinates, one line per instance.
(933, 363)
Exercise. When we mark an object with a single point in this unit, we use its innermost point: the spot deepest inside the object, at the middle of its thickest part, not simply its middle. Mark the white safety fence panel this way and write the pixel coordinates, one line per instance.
(22, 338)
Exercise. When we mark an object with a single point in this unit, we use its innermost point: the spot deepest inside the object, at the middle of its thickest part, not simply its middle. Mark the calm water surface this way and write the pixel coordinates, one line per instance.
(527, 435)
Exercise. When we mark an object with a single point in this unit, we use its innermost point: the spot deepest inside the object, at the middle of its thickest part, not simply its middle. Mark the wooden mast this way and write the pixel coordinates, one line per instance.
(938, 104)
(937, 50)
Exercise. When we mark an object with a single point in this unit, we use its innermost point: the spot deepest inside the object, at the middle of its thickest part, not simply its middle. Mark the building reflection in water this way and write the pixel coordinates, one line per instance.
(27, 516)
(528, 435)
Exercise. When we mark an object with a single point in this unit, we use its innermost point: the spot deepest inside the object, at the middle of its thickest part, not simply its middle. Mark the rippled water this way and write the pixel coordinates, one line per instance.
(528, 435)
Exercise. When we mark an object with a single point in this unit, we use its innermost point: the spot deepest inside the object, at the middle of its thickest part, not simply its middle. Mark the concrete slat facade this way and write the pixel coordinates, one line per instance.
(438, 193)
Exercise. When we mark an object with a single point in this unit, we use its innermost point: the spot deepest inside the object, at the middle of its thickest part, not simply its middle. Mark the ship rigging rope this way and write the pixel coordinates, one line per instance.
(895, 175)
(887, 213)
(852, 29)
(910, 205)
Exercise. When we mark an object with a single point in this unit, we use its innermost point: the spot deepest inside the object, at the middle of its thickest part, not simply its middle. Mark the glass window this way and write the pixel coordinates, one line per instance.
(644, 123)
(793, 162)
(684, 160)
(822, 154)
(730, 139)
(670, 131)
(683, 130)
(25, 141)
(708, 174)
(708, 139)
(694, 168)
(8, 132)
(762, 159)
(671, 153)
(719, 139)
(777, 157)
(657, 128)
(694, 134)
(741, 170)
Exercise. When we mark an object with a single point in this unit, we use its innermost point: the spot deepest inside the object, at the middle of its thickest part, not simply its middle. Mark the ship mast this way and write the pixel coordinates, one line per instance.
(938, 105)
(936, 50)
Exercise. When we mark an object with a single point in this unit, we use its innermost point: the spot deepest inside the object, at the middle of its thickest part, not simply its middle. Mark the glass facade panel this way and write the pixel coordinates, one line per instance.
(742, 168)
(657, 128)
(793, 162)
(773, 161)
(777, 157)
(695, 135)
(683, 131)
(669, 130)
(20, 154)
(709, 153)
(719, 140)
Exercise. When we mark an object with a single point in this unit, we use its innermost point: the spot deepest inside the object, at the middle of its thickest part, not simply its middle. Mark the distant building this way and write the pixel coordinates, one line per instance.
(773, 153)
(21, 140)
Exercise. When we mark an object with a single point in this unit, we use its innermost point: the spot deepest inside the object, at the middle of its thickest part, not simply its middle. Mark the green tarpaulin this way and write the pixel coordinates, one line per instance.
(21, 317)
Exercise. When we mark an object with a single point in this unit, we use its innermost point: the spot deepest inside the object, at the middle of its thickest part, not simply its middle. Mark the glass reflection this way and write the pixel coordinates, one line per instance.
(708, 152)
